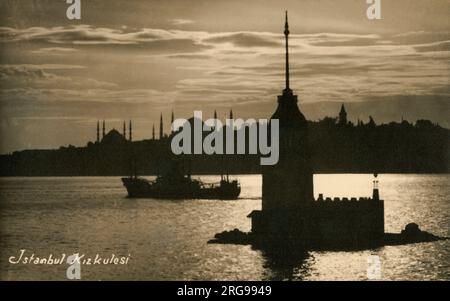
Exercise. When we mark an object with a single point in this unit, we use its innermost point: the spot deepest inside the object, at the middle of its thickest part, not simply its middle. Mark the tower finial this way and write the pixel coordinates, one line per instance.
(286, 34)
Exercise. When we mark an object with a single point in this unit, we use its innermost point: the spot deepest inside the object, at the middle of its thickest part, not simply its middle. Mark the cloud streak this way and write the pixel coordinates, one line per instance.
(178, 22)
(38, 76)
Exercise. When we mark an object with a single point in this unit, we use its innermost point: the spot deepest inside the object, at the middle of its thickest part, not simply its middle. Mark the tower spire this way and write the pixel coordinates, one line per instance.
(103, 129)
(124, 130)
(286, 34)
(153, 132)
(342, 116)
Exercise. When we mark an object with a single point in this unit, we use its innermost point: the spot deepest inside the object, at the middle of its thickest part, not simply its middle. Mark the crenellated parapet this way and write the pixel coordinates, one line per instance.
(347, 218)
(345, 201)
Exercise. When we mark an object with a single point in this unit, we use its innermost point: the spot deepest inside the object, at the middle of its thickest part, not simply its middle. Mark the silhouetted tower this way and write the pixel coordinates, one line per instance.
(153, 132)
(98, 131)
(103, 130)
(161, 129)
(124, 130)
(342, 116)
(231, 114)
(130, 132)
(288, 185)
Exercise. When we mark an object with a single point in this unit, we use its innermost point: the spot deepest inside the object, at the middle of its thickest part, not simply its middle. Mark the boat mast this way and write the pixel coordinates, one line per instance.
(228, 173)
(189, 167)
(221, 167)
(133, 168)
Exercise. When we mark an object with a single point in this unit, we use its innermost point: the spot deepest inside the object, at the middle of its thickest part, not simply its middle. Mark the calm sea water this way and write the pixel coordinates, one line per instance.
(166, 240)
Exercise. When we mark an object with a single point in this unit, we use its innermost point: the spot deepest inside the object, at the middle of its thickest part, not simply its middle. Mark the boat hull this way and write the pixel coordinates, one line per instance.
(141, 188)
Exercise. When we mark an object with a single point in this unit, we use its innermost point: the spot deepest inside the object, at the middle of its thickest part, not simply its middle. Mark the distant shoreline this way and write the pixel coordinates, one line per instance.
(335, 146)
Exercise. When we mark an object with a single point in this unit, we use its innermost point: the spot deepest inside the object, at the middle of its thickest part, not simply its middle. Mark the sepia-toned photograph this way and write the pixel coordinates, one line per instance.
(213, 140)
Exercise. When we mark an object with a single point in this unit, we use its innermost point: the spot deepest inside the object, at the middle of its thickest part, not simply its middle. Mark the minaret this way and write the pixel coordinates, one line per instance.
(153, 132)
(231, 132)
(171, 121)
(103, 131)
(161, 130)
(130, 132)
(215, 119)
(286, 34)
(98, 131)
(124, 130)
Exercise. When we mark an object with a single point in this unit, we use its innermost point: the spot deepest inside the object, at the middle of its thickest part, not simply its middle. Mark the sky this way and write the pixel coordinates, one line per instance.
(136, 59)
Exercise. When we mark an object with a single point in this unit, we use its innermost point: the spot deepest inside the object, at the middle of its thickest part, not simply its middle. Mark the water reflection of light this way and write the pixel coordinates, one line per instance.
(167, 240)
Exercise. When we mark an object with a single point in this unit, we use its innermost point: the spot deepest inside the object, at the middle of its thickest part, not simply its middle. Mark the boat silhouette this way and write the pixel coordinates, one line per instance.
(175, 183)
(183, 187)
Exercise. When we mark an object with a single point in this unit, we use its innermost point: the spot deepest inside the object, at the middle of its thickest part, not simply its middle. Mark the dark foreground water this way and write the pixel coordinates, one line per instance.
(166, 240)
